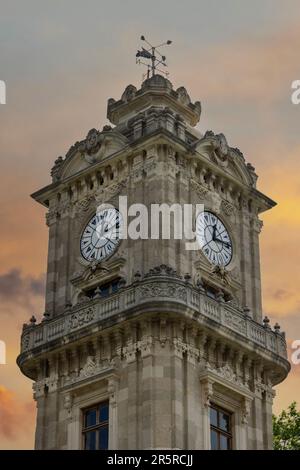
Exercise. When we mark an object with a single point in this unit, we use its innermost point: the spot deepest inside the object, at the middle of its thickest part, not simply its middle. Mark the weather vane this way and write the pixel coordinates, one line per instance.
(154, 56)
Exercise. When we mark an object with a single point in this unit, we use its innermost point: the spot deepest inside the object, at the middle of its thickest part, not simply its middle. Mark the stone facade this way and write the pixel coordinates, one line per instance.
(160, 349)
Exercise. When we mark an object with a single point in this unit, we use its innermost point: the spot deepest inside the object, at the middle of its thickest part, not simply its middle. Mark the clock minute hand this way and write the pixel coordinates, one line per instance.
(224, 243)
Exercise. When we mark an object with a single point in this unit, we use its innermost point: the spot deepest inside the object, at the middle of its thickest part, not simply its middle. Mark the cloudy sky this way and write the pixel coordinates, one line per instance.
(62, 60)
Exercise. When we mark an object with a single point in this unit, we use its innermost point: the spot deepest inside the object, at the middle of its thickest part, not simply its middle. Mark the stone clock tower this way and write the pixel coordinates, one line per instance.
(144, 344)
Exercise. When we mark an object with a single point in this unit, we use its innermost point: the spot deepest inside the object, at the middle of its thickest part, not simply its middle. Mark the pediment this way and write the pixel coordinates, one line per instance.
(214, 148)
(97, 146)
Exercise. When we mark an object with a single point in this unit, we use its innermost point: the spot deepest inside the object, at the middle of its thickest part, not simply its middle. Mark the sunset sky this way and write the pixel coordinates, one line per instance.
(62, 60)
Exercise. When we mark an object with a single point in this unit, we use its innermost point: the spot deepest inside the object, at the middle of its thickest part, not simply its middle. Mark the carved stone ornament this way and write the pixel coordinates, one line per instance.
(156, 289)
(94, 146)
(106, 194)
(56, 169)
(68, 402)
(89, 368)
(183, 96)
(200, 190)
(221, 147)
(216, 202)
(246, 411)
(93, 141)
(83, 205)
(163, 270)
(81, 318)
(25, 340)
(235, 322)
(207, 392)
(227, 208)
(221, 272)
(129, 93)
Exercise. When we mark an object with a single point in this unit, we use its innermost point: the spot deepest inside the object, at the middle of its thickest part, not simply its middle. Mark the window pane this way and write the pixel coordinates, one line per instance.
(224, 421)
(90, 440)
(104, 291)
(114, 286)
(103, 413)
(213, 417)
(103, 437)
(224, 442)
(90, 418)
(214, 440)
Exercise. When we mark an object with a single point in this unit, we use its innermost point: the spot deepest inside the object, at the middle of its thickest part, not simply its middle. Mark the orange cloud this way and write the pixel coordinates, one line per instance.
(16, 417)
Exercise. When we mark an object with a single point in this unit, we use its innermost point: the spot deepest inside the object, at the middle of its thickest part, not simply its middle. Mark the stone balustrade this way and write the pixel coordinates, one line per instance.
(149, 295)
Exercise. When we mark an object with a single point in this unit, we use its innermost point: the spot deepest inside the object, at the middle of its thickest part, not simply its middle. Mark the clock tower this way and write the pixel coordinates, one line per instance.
(145, 344)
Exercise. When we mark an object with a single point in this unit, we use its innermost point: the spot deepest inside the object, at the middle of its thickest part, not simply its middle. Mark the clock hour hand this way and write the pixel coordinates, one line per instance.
(214, 232)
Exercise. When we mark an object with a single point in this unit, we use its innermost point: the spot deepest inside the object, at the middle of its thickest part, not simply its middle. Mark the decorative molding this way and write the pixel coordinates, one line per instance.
(227, 207)
(234, 322)
(162, 270)
(81, 318)
(199, 189)
(157, 289)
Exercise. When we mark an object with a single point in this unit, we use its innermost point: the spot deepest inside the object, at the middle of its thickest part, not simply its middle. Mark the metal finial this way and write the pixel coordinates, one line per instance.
(155, 57)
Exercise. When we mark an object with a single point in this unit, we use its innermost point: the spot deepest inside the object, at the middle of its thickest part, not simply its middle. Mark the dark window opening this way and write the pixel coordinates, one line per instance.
(104, 290)
(220, 428)
(95, 427)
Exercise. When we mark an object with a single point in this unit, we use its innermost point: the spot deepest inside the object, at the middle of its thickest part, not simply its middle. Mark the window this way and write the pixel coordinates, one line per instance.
(220, 429)
(104, 290)
(95, 427)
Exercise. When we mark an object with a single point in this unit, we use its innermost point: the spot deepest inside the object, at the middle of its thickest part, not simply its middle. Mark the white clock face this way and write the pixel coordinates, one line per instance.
(213, 238)
(101, 235)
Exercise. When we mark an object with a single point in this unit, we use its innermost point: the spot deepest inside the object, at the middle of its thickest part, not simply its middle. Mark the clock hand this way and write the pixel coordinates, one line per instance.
(214, 232)
(228, 245)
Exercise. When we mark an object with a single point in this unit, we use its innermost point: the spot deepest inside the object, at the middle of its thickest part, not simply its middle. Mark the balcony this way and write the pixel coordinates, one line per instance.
(155, 293)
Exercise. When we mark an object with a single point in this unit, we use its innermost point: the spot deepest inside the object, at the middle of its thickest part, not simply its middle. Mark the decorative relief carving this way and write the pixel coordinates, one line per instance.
(89, 368)
(216, 202)
(227, 207)
(145, 345)
(163, 290)
(207, 392)
(106, 194)
(171, 154)
(129, 352)
(246, 411)
(68, 401)
(83, 205)
(183, 96)
(163, 270)
(51, 217)
(81, 318)
(235, 322)
(56, 169)
(129, 93)
(25, 342)
(225, 372)
(221, 272)
(92, 143)
(257, 225)
(200, 190)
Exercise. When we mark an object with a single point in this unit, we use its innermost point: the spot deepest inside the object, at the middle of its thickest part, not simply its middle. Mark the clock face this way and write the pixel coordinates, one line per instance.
(213, 238)
(101, 235)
